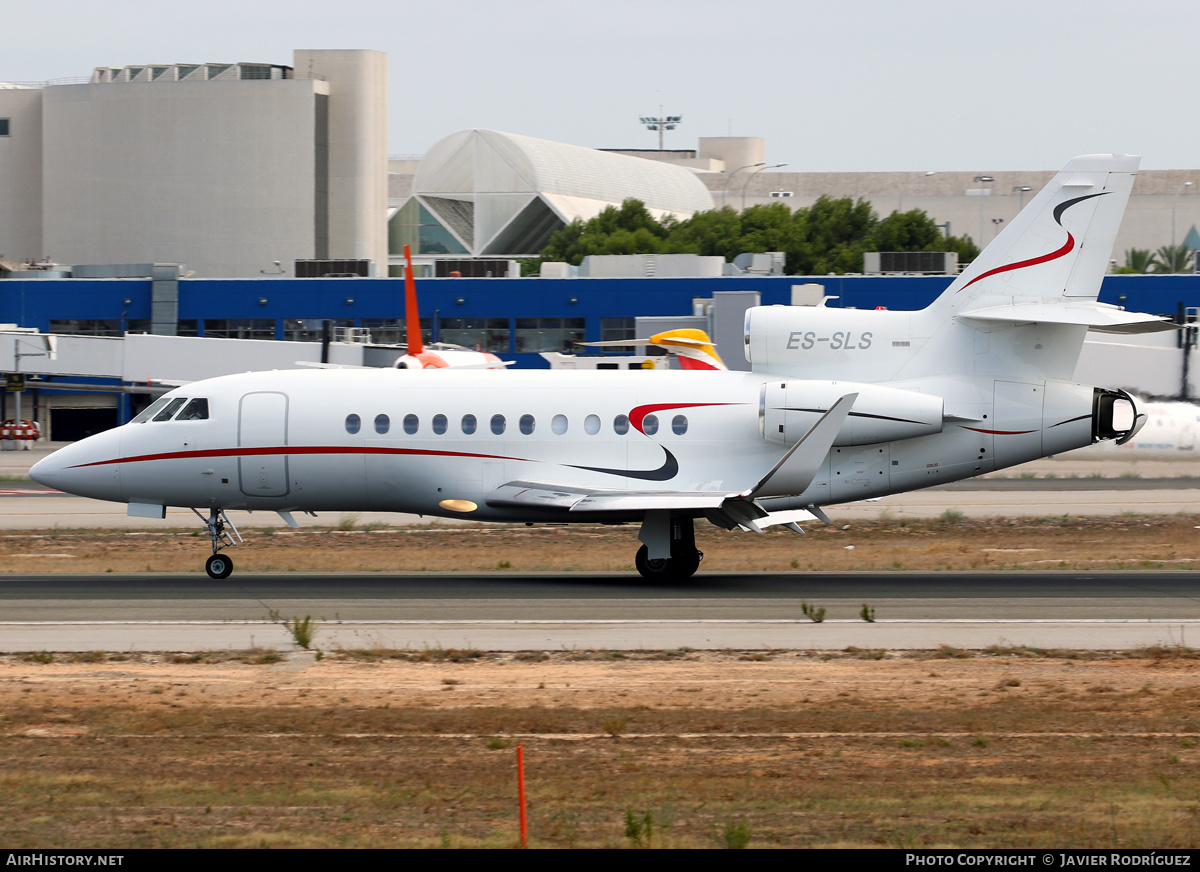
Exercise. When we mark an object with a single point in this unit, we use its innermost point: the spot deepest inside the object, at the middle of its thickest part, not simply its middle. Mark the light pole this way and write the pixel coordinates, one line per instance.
(17, 355)
(725, 193)
(1174, 250)
(661, 123)
(752, 175)
(907, 185)
(1022, 190)
(982, 180)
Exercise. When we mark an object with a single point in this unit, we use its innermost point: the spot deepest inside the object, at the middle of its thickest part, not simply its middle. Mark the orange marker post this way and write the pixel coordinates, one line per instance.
(521, 795)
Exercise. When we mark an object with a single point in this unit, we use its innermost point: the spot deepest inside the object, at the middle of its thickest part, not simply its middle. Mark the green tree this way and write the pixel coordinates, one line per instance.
(1137, 260)
(629, 229)
(1172, 258)
(916, 231)
(830, 236)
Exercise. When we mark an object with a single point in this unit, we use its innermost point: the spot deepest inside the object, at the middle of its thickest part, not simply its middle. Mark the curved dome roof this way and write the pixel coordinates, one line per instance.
(502, 193)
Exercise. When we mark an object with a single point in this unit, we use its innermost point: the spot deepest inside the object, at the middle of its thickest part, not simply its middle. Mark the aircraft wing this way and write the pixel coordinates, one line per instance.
(791, 475)
(723, 509)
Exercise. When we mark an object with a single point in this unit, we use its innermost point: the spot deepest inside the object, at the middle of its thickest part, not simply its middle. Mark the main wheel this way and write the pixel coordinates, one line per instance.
(218, 566)
(653, 570)
(685, 561)
(683, 564)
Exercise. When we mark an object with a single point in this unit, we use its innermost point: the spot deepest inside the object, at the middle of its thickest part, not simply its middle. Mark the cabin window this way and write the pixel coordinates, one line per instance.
(439, 424)
(411, 424)
(559, 424)
(469, 424)
(526, 424)
(621, 425)
(196, 410)
(650, 425)
(171, 409)
(382, 424)
(498, 424)
(679, 425)
(353, 424)
(150, 411)
(591, 425)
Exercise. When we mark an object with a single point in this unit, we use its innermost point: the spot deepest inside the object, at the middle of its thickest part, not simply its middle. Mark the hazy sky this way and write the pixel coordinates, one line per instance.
(853, 85)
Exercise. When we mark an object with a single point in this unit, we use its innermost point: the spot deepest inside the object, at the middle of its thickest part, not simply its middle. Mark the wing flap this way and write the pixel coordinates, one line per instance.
(525, 494)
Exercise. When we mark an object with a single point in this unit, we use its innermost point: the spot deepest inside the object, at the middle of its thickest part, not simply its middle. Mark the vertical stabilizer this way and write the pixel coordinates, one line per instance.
(412, 319)
(1057, 249)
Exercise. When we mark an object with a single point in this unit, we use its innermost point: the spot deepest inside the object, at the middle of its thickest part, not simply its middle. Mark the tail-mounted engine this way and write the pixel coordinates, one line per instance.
(789, 409)
(1115, 415)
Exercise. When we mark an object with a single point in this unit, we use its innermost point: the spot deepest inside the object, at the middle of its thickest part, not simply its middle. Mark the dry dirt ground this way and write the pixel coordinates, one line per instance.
(951, 542)
(1006, 748)
(1000, 748)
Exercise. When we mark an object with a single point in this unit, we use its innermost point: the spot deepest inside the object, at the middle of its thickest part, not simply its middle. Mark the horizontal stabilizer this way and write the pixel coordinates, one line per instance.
(1100, 317)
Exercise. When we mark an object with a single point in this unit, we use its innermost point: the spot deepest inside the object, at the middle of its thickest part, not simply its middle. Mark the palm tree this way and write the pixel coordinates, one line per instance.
(1138, 260)
(1172, 258)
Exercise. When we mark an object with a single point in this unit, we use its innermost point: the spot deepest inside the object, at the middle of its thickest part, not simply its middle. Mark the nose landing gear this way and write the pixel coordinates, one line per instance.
(219, 565)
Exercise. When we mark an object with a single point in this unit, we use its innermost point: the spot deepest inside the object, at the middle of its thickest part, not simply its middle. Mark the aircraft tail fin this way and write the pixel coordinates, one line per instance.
(412, 319)
(1057, 249)
(692, 347)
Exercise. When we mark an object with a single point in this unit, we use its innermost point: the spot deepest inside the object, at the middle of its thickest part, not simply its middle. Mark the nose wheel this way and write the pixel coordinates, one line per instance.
(219, 566)
(222, 534)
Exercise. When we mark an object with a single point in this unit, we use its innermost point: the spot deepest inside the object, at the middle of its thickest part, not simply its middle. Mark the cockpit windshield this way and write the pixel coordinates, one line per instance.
(165, 408)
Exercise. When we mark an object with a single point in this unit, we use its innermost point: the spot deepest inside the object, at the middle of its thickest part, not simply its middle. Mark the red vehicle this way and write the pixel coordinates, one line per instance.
(23, 429)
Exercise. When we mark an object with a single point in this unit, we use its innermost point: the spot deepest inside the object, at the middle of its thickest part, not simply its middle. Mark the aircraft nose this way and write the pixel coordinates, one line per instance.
(46, 470)
(89, 468)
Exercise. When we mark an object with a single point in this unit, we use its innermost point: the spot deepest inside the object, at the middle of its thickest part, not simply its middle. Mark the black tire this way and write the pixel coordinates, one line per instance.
(219, 566)
(686, 563)
(676, 568)
(653, 570)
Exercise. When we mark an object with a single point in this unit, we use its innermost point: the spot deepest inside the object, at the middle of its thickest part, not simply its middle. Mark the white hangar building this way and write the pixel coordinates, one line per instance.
(489, 193)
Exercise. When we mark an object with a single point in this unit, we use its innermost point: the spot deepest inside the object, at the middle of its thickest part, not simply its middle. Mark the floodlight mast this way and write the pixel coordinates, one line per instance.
(661, 123)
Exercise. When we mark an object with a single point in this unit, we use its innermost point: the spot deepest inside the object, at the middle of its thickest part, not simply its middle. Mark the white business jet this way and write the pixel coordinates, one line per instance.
(841, 405)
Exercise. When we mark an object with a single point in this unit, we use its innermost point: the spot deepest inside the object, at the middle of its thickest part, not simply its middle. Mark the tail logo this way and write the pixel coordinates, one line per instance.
(1045, 258)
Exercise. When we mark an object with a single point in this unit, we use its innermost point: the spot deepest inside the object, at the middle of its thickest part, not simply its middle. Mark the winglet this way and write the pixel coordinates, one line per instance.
(412, 319)
(796, 469)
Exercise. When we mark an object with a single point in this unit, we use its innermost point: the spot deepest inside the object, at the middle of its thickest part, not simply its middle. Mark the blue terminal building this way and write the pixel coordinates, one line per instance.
(513, 317)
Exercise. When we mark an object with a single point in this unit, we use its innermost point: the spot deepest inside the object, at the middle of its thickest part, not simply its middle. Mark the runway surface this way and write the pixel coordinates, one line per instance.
(592, 611)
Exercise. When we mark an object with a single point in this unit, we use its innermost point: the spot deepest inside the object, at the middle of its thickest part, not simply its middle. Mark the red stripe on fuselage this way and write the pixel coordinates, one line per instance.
(289, 449)
(639, 413)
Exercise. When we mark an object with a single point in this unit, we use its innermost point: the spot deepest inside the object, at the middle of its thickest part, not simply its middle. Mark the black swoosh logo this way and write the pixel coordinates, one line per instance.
(666, 472)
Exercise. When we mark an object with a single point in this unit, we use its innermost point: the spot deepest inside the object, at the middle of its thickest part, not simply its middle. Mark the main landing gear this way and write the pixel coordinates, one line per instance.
(679, 534)
(219, 565)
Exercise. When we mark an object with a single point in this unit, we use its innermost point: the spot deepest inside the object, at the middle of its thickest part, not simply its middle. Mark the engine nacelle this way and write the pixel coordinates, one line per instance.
(789, 409)
(815, 342)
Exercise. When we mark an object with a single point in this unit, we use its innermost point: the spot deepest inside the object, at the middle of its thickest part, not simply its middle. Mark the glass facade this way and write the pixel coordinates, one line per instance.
(477, 334)
(239, 328)
(303, 329)
(548, 334)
